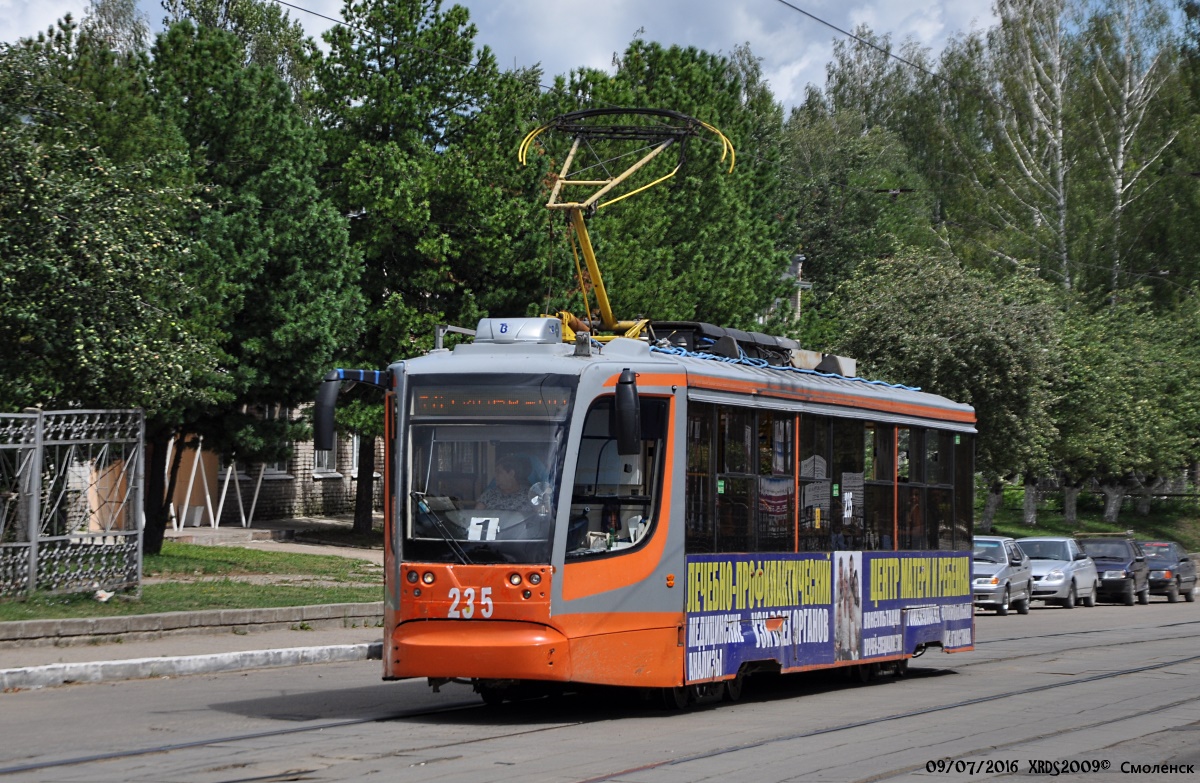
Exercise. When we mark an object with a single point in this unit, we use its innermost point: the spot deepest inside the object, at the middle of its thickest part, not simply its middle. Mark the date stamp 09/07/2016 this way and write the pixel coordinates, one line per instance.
(1050, 767)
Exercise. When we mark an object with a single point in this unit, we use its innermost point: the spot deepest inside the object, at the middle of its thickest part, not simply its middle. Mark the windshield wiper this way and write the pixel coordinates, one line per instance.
(985, 559)
(440, 527)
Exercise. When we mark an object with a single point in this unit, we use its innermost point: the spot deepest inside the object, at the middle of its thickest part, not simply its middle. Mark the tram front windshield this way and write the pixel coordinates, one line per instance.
(484, 471)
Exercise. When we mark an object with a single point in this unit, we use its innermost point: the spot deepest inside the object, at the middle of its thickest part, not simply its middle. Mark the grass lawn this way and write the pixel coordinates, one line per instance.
(1174, 520)
(188, 577)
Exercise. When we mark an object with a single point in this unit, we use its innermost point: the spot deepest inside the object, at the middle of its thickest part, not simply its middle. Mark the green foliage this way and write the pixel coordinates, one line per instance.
(666, 252)
(1127, 409)
(271, 254)
(925, 321)
(423, 136)
(93, 305)
(857, 195)
(267, 36)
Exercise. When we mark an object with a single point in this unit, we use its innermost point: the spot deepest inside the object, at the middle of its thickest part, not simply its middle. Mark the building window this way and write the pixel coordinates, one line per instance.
(278, 468)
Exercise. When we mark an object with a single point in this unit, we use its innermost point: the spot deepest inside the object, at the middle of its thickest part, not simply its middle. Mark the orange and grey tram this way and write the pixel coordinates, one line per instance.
(668, 513)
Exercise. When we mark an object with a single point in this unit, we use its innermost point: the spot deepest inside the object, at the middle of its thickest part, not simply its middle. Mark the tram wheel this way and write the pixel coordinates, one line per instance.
(676, 698)
(901, 668)
(733, 688)
(864, 672)
(493, 697)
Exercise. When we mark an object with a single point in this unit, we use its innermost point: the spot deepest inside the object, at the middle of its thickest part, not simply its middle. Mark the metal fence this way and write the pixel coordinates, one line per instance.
(71, 501)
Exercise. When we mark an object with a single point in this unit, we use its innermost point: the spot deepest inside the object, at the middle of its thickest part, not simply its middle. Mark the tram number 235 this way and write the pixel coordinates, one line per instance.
(462, 602)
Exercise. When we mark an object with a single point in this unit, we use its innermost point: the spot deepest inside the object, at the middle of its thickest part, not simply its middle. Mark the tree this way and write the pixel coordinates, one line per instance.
(93, 306)
(270, 257)
(1126, 409)
(423, 131)
(118, 24)
(857, 197)
(1032, 67)
(924, 321)
(1130, 58)
(269, 38)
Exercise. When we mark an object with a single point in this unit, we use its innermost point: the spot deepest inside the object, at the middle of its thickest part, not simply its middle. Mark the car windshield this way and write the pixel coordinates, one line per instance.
(1155, 549)
(1115, 550)
(1045, 550)
(989, 551)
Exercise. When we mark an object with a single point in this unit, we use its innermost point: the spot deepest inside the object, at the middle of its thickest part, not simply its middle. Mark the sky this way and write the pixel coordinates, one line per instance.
(565, 34)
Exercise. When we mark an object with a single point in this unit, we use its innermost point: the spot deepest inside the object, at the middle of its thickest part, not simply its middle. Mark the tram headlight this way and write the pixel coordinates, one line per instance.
(535, 578)
(427, 578)
(413, 577)
(514, 579)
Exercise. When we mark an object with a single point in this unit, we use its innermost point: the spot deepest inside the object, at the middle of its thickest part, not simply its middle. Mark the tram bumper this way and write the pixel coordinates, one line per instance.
(488, 649)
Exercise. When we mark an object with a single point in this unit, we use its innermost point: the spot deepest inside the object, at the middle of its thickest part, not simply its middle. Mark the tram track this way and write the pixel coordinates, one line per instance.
(911, 714)
(1085, 632)
(173, 747)
(1041, 735)
(473, 704)
(966, 664)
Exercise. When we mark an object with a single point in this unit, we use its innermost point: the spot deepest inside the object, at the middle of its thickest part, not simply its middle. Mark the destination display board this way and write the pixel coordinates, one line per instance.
(492, 402)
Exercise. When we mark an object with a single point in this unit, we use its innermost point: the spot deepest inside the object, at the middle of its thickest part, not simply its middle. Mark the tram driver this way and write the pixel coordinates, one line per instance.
(509, 490)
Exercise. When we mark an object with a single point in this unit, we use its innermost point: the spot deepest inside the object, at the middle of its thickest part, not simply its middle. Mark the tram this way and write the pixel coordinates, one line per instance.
(674, 507)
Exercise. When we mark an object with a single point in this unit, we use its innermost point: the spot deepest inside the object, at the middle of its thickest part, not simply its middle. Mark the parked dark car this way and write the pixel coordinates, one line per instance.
(1172, 570)
(1122, 567)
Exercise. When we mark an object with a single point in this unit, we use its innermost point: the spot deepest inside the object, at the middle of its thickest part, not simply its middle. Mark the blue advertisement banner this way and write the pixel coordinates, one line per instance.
(821, 609)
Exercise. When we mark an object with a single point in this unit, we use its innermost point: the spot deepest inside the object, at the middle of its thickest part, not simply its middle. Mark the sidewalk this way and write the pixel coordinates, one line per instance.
(45, 653)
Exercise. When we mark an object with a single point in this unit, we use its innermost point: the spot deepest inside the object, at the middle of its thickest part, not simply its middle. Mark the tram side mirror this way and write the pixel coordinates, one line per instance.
(629, 415)
(327, 393)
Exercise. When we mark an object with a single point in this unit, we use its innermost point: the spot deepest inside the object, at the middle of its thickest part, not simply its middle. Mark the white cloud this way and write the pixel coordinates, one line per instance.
(565, 34)
(27, 18)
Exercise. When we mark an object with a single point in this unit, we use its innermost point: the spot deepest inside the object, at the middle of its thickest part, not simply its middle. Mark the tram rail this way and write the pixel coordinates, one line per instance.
(473, 705)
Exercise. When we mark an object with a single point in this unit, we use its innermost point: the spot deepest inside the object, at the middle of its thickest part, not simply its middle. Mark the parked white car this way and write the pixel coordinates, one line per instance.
(1062, 572)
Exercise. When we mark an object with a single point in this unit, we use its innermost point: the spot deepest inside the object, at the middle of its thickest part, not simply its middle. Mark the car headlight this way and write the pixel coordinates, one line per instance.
(1055, 576)
(1113, 575)
(1160, 574)
(987, 580)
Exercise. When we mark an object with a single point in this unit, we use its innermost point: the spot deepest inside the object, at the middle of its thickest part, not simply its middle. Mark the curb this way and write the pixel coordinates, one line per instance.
(140, 627)
(140, 668)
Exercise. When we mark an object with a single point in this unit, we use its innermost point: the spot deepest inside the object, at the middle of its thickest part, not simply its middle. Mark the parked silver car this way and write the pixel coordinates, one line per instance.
(1002, 575)
(1062, 571)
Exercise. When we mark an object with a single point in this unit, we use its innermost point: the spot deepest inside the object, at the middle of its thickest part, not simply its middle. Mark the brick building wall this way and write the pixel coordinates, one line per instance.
(300, 487)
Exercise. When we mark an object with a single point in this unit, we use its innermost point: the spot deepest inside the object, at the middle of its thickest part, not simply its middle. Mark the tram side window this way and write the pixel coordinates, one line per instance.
(877, 471)
(736, 448)
(815, 484)
(699, 513)
(939, 476)
(776, 482)
(849, 497)
(941, 517)
(964, 490)
(914, 533)
(911, 455)
(615, 496)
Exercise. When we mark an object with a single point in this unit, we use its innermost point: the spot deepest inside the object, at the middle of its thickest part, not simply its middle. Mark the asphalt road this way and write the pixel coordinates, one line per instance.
(1112, 686)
